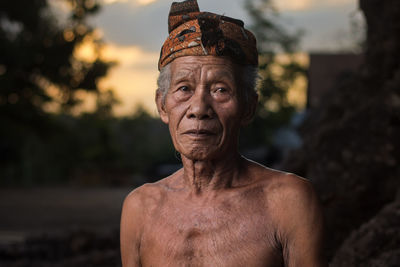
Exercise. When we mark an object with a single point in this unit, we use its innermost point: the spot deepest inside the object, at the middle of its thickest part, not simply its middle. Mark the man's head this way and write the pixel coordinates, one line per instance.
(208, 71)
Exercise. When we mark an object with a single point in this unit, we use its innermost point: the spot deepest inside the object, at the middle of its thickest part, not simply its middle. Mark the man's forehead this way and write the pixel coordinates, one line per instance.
(211, 60)
(188, 66)
(212, 71)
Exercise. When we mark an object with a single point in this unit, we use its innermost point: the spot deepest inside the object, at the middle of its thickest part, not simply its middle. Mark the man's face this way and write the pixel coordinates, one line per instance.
(202, 107)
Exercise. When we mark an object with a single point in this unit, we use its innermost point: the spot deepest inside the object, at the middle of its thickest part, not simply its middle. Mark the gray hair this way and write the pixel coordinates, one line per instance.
(248, 81)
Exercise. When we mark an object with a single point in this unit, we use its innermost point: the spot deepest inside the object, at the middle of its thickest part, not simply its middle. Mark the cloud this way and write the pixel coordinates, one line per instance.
(134, 2)
(129, 55)
(145, 2)
(134, 78)
(322, 25)
(302, 5)
(129, 23)
(108, 2)
(293, 4)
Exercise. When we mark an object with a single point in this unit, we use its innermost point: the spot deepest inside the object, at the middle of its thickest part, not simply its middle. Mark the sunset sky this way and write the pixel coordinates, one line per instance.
(134, 31)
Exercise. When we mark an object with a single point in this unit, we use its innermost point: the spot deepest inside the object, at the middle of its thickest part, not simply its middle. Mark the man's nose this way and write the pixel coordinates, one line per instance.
(200, 106)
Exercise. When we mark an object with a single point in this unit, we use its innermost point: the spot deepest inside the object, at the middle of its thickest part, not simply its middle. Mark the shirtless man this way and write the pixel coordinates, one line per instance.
(220, 209)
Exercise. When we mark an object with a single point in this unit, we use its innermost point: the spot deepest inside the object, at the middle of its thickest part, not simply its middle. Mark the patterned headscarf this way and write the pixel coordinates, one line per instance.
(195, 33)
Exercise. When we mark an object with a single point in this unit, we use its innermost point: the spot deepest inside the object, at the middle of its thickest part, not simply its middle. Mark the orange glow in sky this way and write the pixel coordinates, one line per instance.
(133, 79)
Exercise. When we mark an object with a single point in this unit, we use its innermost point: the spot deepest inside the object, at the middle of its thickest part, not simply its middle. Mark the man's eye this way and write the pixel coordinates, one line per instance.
(184, 88)
(221, 90)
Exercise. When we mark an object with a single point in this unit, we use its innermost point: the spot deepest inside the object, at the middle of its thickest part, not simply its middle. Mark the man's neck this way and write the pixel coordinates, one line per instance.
(202, 176)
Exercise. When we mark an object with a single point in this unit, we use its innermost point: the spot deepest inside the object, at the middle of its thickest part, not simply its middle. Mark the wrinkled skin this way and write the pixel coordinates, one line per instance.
(220, 209)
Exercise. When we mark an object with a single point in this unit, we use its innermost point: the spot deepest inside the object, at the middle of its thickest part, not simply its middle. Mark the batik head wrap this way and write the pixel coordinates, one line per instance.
(195, 33)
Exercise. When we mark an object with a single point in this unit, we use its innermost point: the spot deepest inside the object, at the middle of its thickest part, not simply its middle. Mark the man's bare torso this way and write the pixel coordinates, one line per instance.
(237, 226)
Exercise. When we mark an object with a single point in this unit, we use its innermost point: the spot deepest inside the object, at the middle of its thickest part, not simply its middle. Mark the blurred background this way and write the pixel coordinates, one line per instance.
(79, 128)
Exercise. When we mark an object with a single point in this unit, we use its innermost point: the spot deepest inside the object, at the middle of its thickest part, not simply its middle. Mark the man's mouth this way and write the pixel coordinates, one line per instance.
(199, 132)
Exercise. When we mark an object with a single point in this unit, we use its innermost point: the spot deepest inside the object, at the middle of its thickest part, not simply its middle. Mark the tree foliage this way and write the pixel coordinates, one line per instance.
(37, 55)
(38, 67)
(278, 70)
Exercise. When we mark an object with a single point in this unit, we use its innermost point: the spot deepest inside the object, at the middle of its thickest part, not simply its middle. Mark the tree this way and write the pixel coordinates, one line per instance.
(39, 70)
(277, 76)
(37, 61)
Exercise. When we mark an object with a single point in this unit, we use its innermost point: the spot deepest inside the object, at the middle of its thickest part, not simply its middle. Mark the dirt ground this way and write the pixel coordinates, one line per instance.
(27, 212)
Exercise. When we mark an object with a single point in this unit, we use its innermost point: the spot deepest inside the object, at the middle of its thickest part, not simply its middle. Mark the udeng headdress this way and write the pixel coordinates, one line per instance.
(195, 33)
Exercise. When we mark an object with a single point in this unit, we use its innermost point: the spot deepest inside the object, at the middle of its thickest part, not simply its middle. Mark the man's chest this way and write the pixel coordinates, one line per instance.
(224, 234)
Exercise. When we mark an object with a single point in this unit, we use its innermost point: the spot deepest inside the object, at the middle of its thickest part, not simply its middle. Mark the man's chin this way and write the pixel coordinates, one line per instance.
(199, 153)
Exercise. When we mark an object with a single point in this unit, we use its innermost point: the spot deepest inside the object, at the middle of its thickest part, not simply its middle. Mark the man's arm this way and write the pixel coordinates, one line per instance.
(301, 222)
(131, 229)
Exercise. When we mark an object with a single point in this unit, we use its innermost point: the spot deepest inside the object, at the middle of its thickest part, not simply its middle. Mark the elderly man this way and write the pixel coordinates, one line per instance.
(220, 209)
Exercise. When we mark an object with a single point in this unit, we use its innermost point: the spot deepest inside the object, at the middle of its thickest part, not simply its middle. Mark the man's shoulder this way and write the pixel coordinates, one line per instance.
(290, 186)
(290, 201)
(281, 187)
(138, 209)
(150, 193)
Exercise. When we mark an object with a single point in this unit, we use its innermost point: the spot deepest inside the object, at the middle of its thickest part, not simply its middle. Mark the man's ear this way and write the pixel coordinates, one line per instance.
(249, 110)
(161, 107)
